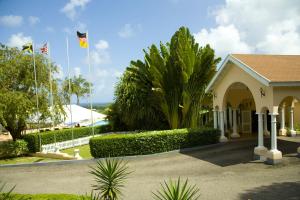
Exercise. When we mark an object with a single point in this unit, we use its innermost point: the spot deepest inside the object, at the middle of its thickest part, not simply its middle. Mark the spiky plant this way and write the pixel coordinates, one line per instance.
(8, 195)
(176, 190)
(110, 175)
(92, 196)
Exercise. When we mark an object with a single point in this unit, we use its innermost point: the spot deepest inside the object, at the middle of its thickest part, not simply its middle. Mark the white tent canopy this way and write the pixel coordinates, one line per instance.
(81, 115)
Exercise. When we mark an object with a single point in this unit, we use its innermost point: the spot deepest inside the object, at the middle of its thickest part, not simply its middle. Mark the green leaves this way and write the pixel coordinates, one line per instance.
(176, 190)
(17, 89)
(168, 87)
(110, 175)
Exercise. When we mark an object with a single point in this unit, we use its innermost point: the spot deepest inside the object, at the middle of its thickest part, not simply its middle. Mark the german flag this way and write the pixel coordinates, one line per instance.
(82, 39)
(27, 47)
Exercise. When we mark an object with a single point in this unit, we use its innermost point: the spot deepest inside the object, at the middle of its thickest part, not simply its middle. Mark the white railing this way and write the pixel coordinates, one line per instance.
(67, 144)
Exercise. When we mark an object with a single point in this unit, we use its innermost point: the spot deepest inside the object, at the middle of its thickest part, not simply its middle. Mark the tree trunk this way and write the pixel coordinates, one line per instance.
(77, 99)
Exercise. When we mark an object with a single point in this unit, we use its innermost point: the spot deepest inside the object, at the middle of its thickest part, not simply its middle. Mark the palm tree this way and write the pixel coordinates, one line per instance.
(173, 78)
(175, 190)
(110, 175)
(79, 86)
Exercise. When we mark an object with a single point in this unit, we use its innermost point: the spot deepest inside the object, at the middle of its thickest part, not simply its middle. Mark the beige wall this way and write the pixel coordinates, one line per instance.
(234, 74)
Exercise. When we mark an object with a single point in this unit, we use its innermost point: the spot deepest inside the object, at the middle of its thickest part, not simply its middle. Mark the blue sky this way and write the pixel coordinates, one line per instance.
(120, 30)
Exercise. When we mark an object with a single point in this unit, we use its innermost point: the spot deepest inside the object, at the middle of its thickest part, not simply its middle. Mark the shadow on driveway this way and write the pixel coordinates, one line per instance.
(237, 152)
(278, 191)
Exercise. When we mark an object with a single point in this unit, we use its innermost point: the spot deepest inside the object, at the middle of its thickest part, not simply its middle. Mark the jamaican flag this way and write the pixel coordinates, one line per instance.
(82, 39)
(28, 47)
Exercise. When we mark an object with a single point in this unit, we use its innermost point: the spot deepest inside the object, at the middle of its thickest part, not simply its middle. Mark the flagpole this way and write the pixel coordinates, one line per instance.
(90, 86)
(51, 89)
(68, 59)
(37, 98)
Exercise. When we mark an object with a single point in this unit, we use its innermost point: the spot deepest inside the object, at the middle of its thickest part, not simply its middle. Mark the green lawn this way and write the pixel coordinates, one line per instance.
(84, 151)
(22, 160)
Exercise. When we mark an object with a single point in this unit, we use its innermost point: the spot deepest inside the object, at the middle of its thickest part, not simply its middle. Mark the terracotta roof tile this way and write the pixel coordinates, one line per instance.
(276, 68)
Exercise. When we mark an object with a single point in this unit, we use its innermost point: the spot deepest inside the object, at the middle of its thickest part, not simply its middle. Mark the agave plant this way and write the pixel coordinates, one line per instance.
(110, 175)
(8, 195)
(175, 190)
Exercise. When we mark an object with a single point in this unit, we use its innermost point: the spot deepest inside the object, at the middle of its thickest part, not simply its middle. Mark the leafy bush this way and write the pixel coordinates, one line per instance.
(151, 142)
(10, 149)
(61, 135)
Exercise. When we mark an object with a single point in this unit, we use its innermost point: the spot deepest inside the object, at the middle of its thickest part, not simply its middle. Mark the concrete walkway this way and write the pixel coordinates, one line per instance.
(222, 172)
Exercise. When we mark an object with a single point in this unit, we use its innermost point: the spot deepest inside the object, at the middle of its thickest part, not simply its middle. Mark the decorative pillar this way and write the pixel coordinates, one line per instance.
(260, 151)
(234, 134)
(222, 138)
(225, 121)
(282, 130)
(274, 156)
(230, 117)
(292, 131)
(215, 119)
(266, 132)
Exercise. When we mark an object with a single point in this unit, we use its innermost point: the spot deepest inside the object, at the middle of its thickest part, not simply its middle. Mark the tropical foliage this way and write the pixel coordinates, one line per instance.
(80, 87)
(110, 175)
(17, 90)
(176, 190)
(167, 89)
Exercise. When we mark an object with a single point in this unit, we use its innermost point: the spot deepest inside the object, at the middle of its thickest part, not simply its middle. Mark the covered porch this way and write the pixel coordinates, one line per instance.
(246, 103)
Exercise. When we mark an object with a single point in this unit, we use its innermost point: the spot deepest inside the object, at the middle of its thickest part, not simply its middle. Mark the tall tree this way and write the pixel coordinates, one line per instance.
(79, 87)
(17, 90)
(171, 81)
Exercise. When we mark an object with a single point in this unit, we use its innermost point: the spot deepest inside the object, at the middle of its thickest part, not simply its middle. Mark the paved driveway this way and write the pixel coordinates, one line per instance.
(222, 172)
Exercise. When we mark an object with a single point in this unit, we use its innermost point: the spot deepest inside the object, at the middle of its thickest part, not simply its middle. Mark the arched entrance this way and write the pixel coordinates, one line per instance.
(240, 111)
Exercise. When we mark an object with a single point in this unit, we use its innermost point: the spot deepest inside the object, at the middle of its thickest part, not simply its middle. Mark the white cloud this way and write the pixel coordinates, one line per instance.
(11, 20)
(129, 30)
(100, 55)
(101, 45)
(270, 26)
(77, 71)
(60, 73)
(18, 40)
(70, 9)
(50, 29)
(224, 39)
(33, 20)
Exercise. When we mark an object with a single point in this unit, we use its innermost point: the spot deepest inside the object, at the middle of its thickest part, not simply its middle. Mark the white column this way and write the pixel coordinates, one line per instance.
(260, 150)
(215, 119)
(234, 134)
(266, 132)
(230, 117)
(292, 131)
(274, 156)
(225, 121)
(282, 130)
(222, 138)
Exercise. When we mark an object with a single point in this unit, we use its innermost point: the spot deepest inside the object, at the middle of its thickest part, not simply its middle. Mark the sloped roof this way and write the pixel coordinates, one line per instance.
(275, 70)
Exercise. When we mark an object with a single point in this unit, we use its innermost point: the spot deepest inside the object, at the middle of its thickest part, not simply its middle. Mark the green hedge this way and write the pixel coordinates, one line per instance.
(10, 149)
(151, 142)
(61, 135)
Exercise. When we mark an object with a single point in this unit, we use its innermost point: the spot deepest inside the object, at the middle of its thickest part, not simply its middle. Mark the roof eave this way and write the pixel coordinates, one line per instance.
(243, 66)
(287, 83)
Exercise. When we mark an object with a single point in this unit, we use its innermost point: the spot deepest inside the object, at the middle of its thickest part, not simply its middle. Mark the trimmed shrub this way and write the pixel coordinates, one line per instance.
(60, 136)
(10, 149)
(151, 142)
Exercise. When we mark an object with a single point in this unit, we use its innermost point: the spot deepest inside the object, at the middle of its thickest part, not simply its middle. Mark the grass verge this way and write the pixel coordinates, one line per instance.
(84, 151)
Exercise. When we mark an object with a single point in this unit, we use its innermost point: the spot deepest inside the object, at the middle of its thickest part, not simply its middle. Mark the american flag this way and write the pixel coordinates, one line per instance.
(44, 49)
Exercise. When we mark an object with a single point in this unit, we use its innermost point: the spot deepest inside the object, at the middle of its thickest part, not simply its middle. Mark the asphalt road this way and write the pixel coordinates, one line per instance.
(224, 172)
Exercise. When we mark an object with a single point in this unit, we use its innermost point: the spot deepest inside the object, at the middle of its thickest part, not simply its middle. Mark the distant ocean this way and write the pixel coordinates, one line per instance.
(87, 105)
